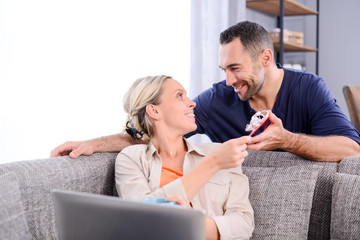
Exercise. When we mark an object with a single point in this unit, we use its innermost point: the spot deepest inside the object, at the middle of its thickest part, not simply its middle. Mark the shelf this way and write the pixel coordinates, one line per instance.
(288, 47)
(272, 7)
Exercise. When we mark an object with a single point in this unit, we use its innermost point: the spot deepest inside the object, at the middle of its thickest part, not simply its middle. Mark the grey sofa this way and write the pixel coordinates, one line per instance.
(293, 198)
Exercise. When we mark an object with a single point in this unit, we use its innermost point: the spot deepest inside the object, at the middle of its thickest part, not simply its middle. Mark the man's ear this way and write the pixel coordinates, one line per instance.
(267, 57)
(153, 111)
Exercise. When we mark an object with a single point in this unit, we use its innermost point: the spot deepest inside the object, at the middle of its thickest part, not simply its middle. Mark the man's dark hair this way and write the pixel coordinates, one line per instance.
(253, 37)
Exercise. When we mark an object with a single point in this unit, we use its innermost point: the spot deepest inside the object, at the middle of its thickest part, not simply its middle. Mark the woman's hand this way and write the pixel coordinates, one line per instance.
(231, 153)
(178, 200)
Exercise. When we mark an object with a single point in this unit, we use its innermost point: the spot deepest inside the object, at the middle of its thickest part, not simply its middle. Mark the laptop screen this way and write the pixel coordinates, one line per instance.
(90, 216)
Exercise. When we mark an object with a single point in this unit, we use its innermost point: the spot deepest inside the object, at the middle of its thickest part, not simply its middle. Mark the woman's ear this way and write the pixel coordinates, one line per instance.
(153, 111)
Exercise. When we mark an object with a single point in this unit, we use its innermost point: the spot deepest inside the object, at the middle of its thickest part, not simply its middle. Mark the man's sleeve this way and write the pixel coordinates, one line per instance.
(326, 116)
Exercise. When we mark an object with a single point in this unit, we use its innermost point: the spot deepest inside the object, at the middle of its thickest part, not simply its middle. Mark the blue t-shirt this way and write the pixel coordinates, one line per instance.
(304, 104)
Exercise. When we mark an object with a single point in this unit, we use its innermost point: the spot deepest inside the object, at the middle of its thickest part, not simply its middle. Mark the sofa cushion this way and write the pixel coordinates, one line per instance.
(282, 200)
(13, 224)
(345, 221)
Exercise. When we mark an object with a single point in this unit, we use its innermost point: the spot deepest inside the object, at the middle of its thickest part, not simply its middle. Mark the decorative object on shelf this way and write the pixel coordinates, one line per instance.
(294, 66)
(288, 37)
(280, 9)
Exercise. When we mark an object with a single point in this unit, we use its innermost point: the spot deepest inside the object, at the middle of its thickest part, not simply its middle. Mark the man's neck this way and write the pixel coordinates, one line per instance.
(266, 97)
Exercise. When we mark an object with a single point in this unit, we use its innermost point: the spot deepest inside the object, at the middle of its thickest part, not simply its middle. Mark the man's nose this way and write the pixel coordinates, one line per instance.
(230, 78)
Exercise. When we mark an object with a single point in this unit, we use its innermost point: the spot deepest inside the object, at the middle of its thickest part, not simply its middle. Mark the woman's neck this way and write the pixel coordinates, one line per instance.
(172, 149)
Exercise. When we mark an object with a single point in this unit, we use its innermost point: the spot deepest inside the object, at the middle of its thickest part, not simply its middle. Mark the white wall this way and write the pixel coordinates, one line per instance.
(339, 46)
(65, 65)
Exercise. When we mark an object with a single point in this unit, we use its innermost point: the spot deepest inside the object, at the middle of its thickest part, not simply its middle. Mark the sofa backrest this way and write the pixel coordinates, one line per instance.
(319, 222)
(37, 178)
(345, 208)
(328, 188)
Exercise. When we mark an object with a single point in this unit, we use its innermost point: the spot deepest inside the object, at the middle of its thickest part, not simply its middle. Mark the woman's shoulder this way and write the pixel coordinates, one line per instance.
(135, 148)
(205, 148)
(133, 151)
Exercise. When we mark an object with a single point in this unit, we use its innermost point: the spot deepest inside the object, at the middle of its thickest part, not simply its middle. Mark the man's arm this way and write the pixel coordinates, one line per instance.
(317, 148)
(112, 143)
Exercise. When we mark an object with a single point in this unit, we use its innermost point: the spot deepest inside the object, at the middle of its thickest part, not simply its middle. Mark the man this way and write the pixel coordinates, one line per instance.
(305, 119)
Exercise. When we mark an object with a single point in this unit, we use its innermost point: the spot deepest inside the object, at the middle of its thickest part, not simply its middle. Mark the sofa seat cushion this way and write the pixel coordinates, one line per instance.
(13, 224)
(345, 220)
(282, 200)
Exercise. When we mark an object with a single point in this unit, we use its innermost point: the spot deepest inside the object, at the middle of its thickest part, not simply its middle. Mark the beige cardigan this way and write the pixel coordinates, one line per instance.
(225, 197)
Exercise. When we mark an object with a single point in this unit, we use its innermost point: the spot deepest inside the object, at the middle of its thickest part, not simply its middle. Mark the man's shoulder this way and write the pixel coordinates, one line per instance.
(218, 93)
(300, 76)
(222, 87)
(217, 88)
(301, 82)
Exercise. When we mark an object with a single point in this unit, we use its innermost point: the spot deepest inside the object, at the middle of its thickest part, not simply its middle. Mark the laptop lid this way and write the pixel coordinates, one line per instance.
(90, 216)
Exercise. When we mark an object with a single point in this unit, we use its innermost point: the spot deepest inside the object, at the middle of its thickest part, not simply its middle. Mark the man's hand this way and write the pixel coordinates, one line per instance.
(317, 148)
(73, 149)
(273, 137)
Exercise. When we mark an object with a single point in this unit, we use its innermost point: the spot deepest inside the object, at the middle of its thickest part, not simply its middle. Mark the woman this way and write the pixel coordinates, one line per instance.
(203, 176)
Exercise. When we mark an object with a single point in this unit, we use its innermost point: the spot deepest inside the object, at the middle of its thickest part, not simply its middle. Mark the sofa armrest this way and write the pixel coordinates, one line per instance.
(37, 178)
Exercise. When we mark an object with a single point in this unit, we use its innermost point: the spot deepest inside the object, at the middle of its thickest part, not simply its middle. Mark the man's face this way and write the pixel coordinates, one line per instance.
(242, 73)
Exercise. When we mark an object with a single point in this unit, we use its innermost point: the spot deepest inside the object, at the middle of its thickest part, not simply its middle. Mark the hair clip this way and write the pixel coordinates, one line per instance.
(260, 118)
(132, 131)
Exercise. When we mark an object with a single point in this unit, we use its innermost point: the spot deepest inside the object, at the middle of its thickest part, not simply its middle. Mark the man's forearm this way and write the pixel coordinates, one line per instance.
(318, 148)
(113, 143)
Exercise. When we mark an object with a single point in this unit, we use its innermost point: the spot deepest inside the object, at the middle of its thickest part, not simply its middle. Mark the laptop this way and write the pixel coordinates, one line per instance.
(91, 216)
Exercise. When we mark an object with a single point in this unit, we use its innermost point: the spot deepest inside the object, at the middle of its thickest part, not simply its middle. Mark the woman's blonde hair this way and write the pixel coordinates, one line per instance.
(144, 91)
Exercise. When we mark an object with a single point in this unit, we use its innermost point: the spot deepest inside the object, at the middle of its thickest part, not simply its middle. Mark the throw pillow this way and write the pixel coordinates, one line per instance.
(345, 209)
(282, 200)
(13, 224)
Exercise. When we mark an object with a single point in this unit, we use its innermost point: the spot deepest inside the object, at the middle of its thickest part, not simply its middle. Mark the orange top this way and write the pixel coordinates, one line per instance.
(169, 174)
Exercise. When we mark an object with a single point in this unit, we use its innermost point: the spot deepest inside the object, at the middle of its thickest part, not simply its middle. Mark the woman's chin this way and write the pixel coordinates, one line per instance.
(191, 129)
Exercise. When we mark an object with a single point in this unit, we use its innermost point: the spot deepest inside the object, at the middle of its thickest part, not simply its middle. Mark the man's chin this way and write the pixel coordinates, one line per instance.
(243, 97)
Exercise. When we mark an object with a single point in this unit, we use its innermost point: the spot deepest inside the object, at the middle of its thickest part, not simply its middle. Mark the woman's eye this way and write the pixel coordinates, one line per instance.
(180, 95)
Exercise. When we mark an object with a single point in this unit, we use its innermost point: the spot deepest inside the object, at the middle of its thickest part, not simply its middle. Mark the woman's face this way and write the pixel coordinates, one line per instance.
(177, 110)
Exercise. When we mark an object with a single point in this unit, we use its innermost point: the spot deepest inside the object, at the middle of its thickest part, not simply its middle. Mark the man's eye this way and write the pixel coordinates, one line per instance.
(180, 95)
(235, 69)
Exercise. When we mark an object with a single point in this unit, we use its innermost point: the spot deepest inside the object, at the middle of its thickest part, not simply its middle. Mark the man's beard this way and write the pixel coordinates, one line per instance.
(252, 89)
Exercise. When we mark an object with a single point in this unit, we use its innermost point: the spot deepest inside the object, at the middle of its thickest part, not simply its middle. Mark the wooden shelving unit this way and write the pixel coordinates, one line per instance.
(281, 8)
(272, 7)
(294, 48)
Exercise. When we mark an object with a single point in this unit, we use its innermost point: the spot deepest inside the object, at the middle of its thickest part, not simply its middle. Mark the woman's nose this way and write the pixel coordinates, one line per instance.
(192, 103)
